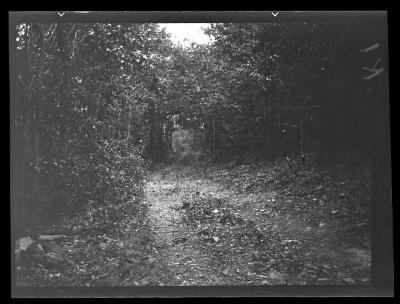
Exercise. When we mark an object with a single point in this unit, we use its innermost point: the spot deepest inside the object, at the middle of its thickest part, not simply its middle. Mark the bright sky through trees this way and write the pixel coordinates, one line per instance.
(186, 33)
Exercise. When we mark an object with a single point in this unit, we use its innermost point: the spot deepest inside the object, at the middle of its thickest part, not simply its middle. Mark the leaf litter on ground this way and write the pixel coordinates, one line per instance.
(251, 224)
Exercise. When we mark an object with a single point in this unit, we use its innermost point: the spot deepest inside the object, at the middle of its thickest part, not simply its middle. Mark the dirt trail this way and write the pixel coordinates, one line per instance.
(185, 258)
(232, 234)
(181, 259)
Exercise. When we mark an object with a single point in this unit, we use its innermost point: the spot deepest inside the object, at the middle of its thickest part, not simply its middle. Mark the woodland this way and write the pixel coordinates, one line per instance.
(251, 160)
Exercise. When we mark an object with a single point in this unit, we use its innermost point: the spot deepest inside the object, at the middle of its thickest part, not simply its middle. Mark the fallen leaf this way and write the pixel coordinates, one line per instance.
(326, 266)
(23, 243)
(103, 245)
(276, 276)
(349, 281)
(131, 252)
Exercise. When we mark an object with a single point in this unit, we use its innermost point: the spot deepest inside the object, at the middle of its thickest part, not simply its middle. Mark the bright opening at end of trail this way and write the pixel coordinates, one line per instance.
(186, 33)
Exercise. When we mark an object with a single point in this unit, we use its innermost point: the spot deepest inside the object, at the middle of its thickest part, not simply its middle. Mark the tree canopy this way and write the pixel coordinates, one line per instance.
(95, 101)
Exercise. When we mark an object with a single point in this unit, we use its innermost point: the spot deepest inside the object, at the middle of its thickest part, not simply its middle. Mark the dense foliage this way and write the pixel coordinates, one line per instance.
(80, 115)
(94, 100)
(290, 87)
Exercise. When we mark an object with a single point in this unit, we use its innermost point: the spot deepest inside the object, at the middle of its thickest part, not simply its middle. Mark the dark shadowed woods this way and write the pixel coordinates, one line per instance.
(252, 160)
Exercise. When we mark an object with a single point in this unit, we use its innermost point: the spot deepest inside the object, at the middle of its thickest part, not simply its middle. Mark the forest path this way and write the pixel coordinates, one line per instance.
(231, 232)
(232, 237)
(183, 258)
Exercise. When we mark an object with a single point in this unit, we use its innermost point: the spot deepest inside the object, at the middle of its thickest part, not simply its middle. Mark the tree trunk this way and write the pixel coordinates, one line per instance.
(301, 133)
(129, 125)
(168, 136)
(214, 136)
(155, 137)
